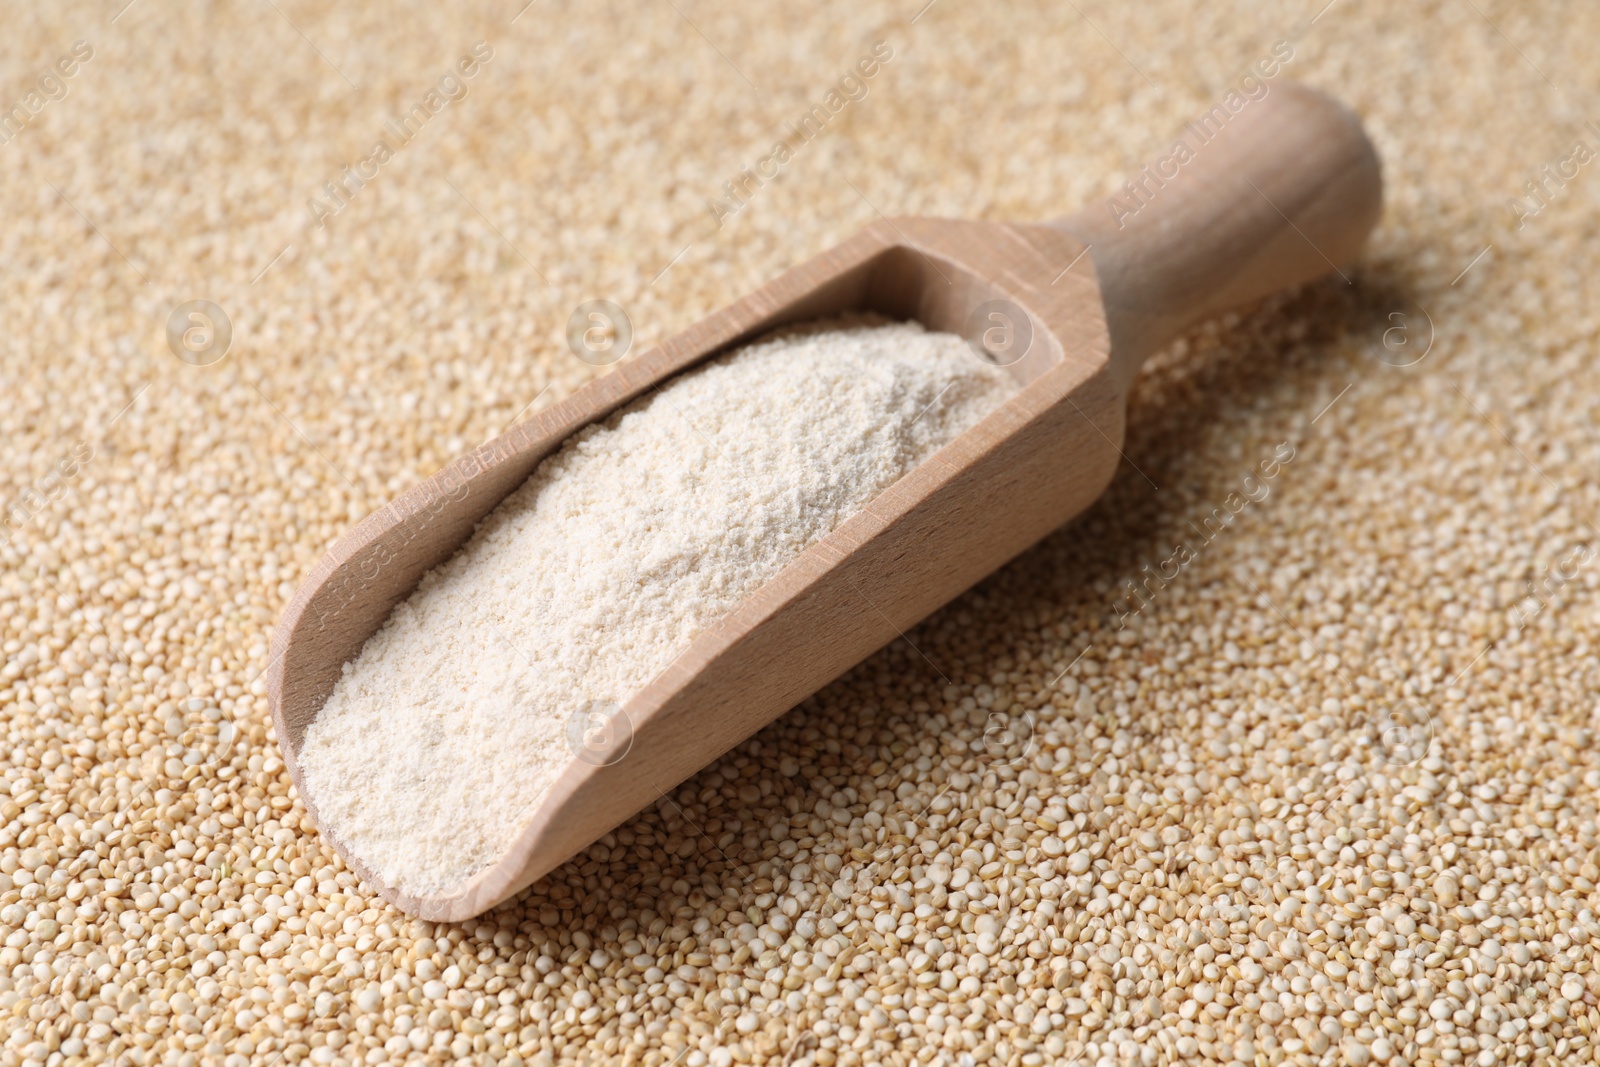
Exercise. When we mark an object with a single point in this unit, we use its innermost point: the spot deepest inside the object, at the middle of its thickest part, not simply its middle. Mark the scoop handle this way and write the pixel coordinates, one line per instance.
(1245, 202)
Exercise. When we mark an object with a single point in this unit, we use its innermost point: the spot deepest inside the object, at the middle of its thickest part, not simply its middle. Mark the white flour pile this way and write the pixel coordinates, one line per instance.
(444, 733)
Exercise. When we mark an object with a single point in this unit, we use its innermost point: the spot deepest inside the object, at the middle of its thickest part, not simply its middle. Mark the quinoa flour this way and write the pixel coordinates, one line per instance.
(444, 733)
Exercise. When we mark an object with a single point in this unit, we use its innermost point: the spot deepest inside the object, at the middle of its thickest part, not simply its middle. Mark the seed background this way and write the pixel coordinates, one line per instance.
(1021, 834)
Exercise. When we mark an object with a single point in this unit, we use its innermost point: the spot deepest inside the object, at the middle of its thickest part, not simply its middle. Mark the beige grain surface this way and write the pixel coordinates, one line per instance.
(1330, 796)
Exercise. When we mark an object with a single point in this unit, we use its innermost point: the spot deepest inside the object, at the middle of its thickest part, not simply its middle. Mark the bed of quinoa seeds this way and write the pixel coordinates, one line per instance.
(1314, 782)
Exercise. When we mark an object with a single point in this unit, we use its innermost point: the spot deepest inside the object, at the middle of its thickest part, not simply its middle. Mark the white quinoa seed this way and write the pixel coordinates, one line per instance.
(163, 898)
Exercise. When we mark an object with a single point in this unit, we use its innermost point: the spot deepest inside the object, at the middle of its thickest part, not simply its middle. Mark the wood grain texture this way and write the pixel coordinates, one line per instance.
(1281, 193)
(1027, 467)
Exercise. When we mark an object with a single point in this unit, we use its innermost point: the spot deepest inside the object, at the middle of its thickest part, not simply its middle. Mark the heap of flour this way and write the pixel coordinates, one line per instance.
(442, 736)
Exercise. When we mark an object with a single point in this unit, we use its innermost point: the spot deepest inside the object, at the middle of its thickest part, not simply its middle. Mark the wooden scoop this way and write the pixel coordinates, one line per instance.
(1269, 197)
